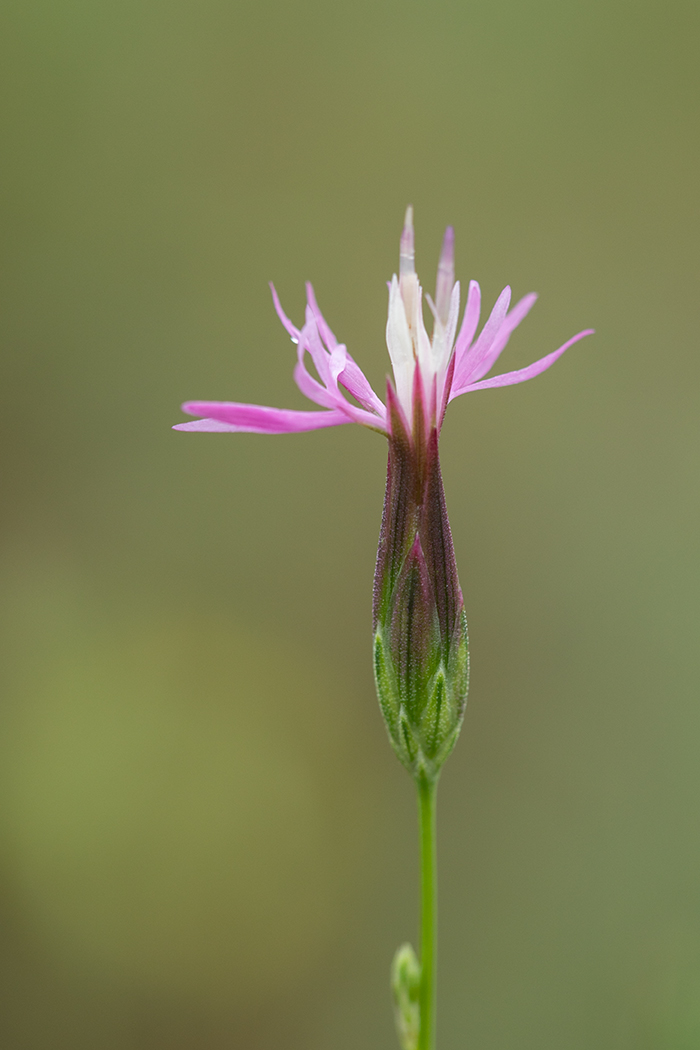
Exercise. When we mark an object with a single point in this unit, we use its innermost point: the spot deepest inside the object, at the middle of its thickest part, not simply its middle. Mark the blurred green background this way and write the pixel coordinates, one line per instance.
(205, 841)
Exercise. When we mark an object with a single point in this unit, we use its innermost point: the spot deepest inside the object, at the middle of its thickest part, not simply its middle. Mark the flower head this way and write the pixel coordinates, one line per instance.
(421, 659)
(439, 368)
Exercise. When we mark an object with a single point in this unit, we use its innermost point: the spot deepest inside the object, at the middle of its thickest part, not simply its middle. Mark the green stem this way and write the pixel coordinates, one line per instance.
(427, 796)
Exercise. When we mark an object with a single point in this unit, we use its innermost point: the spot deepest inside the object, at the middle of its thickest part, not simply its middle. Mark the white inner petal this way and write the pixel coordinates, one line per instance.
(400, 344)
(407, 339)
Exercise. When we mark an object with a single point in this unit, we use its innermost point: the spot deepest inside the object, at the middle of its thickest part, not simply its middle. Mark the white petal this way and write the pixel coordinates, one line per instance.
(400, 346)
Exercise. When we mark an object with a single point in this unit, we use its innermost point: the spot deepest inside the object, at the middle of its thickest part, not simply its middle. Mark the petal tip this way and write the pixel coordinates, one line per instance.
(407, 250)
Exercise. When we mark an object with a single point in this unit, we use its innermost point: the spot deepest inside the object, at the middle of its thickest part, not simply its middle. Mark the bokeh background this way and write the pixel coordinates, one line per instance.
(205, 841)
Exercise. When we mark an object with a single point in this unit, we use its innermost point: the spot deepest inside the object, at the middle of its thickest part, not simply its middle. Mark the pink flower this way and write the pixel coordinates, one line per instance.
(438, 369)
(421, 651)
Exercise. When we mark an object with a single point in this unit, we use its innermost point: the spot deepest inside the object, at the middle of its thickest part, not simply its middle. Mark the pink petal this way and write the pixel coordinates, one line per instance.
(308, 384)
(372, 414)
(213, 426)
(521, 374)
(511, 322)
(470, 322)
(311, 387)
(257, 419)
(336, 364)
(473, 357)
(292, 329)
(520, 311)
(357, 385)
(310, 339)
(323, 327)
(445, 276)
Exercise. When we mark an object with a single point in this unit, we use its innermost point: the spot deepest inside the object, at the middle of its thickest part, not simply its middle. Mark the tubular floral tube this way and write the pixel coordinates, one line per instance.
(421, 657)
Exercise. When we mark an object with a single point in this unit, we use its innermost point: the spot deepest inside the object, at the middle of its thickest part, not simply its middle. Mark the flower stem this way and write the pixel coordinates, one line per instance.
(427, 796)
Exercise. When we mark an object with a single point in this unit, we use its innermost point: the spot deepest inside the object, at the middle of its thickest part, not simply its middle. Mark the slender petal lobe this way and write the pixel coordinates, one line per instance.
(257, 419)
(521, 374)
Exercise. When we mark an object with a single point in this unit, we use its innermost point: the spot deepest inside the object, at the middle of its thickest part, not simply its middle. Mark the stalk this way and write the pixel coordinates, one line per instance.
(427, 797)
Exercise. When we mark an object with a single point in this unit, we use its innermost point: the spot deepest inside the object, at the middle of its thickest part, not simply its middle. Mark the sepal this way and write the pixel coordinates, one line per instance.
(423, 722)
(387, 688)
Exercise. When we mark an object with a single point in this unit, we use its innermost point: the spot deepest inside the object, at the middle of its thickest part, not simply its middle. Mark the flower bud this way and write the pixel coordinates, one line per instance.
(421, 661)
(405, 986)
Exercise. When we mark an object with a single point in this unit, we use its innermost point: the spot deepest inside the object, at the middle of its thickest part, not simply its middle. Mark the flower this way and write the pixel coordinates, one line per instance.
(443, 367)
(421, 655)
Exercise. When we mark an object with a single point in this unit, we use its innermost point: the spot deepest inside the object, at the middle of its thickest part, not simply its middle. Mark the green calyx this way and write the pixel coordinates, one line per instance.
(423, 723)
(421, 655)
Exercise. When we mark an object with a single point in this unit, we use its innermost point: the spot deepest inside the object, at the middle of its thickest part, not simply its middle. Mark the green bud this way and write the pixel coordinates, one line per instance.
(405, 986)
